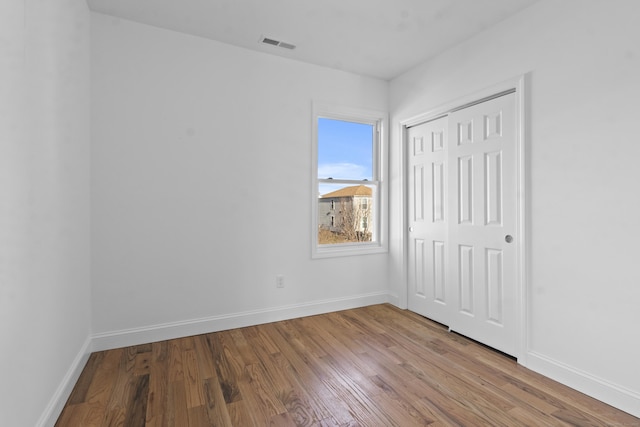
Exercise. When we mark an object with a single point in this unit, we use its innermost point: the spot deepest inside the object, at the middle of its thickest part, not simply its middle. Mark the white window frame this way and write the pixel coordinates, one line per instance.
(379, 120)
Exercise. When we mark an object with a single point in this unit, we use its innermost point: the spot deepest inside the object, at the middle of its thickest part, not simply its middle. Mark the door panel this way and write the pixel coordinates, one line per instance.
(428, 292)
(462, 197)
(495, 291)
(465, 275)
(465, 189)
(484, 189)
(493, 188)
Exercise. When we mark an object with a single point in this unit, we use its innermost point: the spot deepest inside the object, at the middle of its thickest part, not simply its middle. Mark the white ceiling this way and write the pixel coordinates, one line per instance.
(379, 38)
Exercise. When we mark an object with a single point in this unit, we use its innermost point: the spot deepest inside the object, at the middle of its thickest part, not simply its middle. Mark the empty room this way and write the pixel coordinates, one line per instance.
(333, 213)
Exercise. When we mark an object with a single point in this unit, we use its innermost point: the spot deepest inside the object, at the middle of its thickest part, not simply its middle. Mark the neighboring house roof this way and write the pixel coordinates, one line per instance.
(356, 190)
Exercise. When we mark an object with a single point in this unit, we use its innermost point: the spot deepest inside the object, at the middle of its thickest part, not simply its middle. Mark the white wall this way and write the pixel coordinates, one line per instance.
(584, 60)
(200, 185)
(44, 206)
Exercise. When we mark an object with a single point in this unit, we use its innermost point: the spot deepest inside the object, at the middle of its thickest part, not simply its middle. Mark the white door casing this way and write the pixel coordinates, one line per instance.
(462, 216)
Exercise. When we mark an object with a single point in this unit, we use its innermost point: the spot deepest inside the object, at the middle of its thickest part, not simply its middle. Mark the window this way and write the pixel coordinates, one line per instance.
(349, 194)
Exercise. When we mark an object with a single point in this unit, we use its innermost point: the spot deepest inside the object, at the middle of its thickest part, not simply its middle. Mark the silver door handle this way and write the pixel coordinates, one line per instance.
(508, 238)
(410, 229)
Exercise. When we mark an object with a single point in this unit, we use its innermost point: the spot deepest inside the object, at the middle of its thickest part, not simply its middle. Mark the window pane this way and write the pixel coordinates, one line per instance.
(345, 150)
(345, 213)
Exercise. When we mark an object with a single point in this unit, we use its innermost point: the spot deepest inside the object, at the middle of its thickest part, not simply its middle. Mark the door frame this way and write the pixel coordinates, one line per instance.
(519, 85)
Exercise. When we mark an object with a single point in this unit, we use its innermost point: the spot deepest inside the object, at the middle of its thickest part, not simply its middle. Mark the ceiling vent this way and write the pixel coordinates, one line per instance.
(273, 42)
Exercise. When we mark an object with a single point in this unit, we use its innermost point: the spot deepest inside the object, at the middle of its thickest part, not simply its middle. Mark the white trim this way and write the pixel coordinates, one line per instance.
(442, 110)
(394, 299)
(380, 120)
(524, 213)
(518, 84)
(165, 331)
(598, 388)
(403, 298)
(56, 404)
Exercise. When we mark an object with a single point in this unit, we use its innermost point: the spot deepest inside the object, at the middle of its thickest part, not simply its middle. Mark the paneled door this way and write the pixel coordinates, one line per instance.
(429, 294)
(462, 209)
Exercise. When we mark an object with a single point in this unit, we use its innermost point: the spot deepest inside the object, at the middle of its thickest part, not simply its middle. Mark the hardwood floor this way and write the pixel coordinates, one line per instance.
(372, 366)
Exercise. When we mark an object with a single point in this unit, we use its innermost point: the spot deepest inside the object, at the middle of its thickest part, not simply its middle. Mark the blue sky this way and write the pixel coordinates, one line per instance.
(345, 150)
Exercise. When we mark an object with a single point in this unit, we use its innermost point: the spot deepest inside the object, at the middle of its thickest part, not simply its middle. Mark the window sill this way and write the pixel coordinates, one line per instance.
(349, 249)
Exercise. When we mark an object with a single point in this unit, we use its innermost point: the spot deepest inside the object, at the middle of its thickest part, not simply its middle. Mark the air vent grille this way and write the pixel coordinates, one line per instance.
(270, 41)
(274, 42)
(287, 45)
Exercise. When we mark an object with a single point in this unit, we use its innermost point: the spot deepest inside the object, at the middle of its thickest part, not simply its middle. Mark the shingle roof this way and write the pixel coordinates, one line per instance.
(356, 190)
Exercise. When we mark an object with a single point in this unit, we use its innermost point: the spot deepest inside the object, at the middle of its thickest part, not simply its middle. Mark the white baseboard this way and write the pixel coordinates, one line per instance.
(603, 390)
(165, 331)
(62, 393)
(393, 299)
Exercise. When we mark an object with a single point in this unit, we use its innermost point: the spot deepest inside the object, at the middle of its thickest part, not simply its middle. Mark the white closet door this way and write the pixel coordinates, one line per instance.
(462, 190)
(482, 222)
(428, 293)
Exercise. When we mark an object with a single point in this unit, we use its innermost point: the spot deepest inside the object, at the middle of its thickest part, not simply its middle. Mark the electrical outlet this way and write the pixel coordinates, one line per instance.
(279, 281)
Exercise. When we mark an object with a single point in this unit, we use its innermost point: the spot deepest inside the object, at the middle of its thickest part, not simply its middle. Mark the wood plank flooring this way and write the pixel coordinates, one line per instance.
(372, 366)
